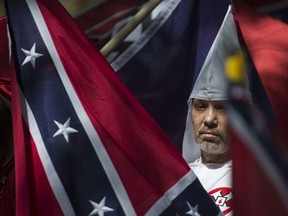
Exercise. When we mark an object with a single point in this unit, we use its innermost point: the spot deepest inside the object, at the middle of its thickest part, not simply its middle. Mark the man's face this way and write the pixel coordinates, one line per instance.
(209, 124)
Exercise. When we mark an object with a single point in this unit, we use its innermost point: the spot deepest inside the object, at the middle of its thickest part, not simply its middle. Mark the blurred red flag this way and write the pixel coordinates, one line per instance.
(4, 56)
(259, 149)
(266, 40)
(263, 3)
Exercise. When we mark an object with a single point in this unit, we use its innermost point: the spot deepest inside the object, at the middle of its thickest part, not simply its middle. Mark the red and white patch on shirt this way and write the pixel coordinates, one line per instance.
(223, 198)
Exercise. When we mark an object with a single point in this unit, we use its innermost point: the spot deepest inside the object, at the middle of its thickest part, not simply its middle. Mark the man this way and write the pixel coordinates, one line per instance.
(205, 146)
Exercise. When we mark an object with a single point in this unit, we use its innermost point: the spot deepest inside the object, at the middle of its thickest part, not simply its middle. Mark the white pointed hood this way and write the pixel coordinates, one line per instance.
(211, 83)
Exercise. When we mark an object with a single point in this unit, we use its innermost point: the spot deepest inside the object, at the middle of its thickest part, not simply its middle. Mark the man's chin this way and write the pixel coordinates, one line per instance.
(210, 147)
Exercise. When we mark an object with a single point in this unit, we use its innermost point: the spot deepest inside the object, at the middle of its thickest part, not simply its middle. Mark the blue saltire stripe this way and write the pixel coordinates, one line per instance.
(79, 153)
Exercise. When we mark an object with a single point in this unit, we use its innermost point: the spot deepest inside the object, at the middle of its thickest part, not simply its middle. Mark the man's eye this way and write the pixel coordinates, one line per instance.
(222, 108)
(199, 106)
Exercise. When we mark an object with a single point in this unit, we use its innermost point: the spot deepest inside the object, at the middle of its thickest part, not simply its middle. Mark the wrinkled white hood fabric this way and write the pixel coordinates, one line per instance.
(211, 83)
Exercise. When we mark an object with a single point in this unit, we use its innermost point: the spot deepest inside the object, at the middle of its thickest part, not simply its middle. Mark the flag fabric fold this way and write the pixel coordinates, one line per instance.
(259, 147)
(160, 67)
(83, 144)
(102, 21)
(5, 87)
(259, 165)
(265, 38)
(7, 177)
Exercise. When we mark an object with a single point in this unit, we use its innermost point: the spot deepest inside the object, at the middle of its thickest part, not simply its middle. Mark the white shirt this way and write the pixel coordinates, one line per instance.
(217, 181)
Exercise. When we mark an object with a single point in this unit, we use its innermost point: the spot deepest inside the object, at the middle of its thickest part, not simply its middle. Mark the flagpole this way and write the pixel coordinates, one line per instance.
(129, 27)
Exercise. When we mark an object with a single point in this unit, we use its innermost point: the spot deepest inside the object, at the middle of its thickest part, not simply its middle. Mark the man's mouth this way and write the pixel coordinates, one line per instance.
(210, 136)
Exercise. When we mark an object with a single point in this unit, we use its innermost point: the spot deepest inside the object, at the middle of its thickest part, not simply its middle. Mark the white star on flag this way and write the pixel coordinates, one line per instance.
(31, 55)
(193, 210)
(100, 208)
(64, 129)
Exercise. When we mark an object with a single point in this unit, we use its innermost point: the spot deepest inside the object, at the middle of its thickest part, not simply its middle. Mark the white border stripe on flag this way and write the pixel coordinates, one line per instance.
(53, 178)
(83, 117)
(167, 7)
(166, 200)
(254, 145)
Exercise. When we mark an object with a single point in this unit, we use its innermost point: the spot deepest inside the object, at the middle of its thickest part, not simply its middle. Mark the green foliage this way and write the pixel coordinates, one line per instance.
(2, 11)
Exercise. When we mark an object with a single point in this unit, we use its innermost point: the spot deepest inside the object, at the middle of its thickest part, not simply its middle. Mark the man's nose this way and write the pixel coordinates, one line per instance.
(210, 117)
